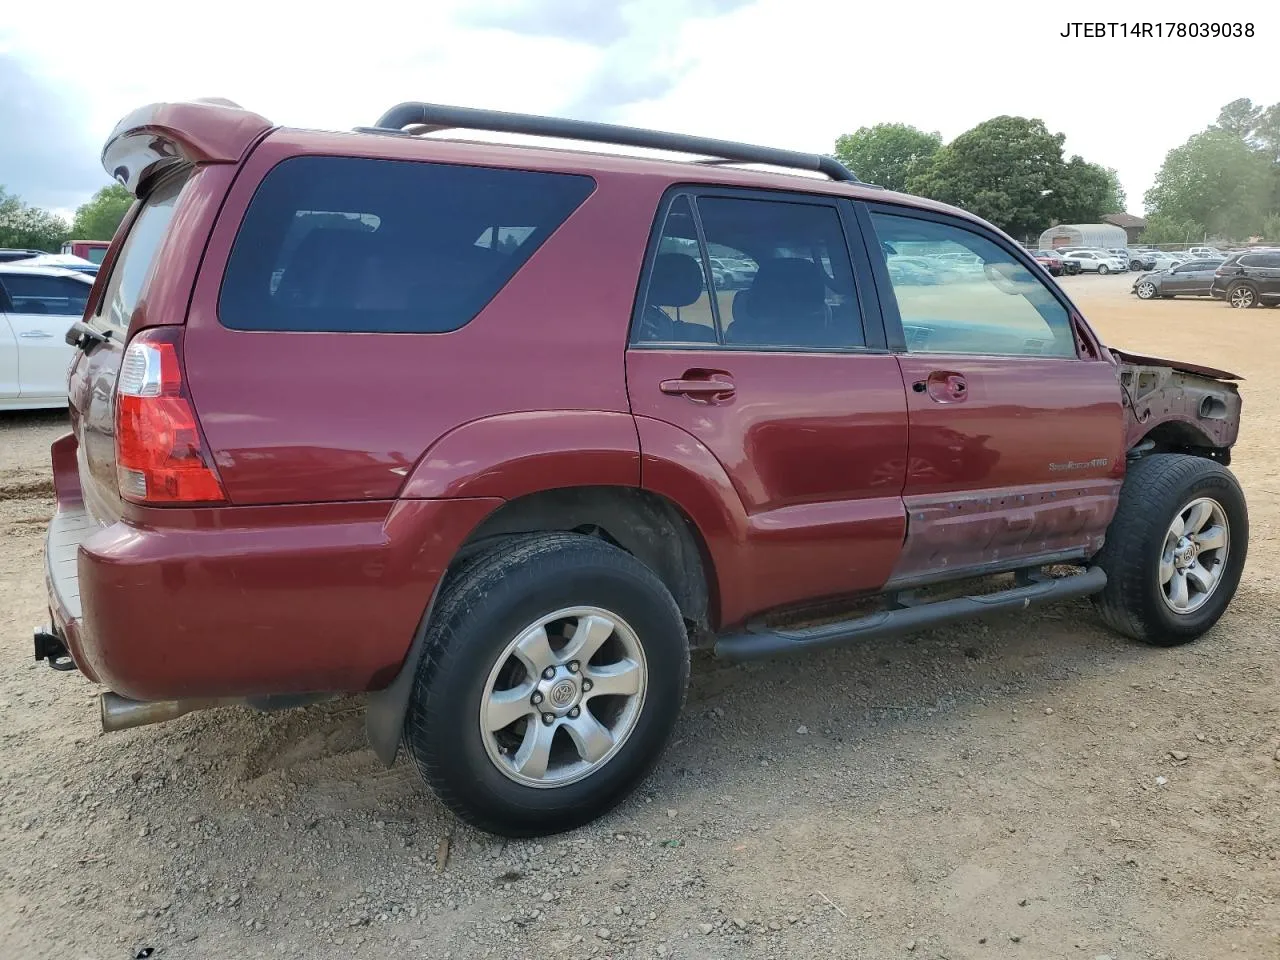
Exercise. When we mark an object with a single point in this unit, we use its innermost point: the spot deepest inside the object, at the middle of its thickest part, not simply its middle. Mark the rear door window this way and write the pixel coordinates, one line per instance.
(391, 246)
(37, 293)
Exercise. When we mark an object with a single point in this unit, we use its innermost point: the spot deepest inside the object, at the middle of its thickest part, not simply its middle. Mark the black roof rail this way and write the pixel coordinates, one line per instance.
(435, 116)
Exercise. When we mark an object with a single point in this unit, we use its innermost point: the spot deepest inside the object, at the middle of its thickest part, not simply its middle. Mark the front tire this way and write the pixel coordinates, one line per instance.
(1103, 269)
(1146, 290)
(554, 670)
(1175, 550)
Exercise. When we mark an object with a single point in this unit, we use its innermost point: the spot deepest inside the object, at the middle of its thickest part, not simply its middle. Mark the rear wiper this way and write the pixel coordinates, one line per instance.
(84, 337)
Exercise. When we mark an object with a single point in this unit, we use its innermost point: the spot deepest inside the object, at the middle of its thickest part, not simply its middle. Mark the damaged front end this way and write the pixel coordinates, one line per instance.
(1175, 407)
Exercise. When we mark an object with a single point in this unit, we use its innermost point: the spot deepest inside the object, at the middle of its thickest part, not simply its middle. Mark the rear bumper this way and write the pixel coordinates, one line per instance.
(250, 601)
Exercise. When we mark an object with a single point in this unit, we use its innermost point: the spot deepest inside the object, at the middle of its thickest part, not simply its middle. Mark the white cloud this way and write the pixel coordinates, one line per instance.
(791, 73)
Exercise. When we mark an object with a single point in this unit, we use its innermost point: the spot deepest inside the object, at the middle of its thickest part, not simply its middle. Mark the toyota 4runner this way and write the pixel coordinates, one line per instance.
(465, 427)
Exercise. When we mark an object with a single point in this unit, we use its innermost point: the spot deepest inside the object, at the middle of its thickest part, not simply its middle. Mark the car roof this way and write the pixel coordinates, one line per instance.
(44, 271)
(588, 162)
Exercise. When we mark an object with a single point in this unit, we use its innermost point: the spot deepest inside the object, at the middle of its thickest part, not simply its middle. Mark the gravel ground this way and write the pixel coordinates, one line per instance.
(1029, 787)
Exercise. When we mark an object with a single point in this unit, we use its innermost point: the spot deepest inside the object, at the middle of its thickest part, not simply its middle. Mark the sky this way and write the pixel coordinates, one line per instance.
(787, 73)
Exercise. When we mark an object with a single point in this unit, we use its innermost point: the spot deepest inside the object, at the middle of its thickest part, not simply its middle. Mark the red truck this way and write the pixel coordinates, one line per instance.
(464, 427)
(92, 250)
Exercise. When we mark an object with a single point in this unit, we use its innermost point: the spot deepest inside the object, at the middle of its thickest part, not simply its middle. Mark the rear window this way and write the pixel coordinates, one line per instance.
(386, 246)
(133, 265)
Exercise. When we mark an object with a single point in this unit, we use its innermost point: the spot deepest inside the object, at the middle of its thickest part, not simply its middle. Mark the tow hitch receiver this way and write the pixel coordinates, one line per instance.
(49, 646)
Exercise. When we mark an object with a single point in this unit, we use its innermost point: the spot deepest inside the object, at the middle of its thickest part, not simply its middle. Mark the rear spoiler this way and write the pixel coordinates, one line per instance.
(159, 136)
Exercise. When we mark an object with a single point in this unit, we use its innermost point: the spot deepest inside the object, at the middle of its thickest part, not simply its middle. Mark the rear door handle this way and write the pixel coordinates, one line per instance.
(699, 388)
(35, 335)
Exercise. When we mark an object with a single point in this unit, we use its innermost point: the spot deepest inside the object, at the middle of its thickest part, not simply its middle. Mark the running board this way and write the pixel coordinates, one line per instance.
(758, 641)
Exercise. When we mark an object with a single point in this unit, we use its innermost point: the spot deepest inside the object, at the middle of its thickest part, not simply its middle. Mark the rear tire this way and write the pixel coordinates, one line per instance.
(1144, 557)
(503, 619)
(1243, 296)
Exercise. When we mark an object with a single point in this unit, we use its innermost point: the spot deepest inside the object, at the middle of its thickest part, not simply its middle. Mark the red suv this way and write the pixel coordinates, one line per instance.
(464, 426)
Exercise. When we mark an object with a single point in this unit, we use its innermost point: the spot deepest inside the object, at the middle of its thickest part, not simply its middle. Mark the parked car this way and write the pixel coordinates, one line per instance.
(734, 273)
(1249, 279)
(1163, 261)
(1050, 261)
(1069, 267)
(38, 305)
(10, 254)
(1191, 279)
(1096, 261)
(1205, 253)
(61, 261)
(1121, 254)
(91, 250)
(1142, 260)
(567, 475)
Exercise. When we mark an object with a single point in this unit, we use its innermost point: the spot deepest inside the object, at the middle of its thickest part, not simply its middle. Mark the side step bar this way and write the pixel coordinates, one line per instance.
(759, 641)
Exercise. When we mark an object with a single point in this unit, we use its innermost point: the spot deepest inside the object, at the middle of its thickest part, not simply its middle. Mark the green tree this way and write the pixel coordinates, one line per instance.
(1217, 180)
(888, 153)
(1084, 192)
(98, 218)
(1271, 228)
(1161, 228)
(29, 227)
(1005, 170)
(1240, 118)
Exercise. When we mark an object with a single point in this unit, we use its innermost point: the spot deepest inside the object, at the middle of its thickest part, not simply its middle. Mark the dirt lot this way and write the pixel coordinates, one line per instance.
(1000, 790)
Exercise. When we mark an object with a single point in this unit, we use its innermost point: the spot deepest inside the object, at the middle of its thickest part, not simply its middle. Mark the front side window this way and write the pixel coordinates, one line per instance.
(1001, 308)
(386, 246)
(780, 272)
(39, 294)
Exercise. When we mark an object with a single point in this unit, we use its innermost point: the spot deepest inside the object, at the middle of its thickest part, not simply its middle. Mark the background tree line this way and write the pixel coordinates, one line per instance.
(1008, 170)
(31, 228)
(1223, 182)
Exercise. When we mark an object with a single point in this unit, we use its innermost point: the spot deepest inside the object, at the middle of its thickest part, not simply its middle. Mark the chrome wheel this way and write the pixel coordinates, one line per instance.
(1242, 297)
(1146, 290)
(563, 697)
(1195, 555)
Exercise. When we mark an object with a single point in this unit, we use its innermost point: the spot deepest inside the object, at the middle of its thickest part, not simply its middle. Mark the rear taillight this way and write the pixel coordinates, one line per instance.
(160, 454)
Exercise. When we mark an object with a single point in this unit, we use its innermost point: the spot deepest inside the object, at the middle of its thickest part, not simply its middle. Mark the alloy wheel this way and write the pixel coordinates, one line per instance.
(563, 697)
(1194, 556)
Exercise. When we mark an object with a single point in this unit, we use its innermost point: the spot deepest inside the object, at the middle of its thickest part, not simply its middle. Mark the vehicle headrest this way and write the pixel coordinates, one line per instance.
(676, 280)
(786, 286)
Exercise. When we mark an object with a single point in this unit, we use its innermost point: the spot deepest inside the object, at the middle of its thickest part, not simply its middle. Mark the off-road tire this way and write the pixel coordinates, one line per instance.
(1156, 488)
(481, 608)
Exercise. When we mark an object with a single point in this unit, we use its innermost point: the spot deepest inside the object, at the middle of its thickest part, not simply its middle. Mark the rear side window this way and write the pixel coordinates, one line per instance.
(56, 296)
(344, 244)
(133, 265)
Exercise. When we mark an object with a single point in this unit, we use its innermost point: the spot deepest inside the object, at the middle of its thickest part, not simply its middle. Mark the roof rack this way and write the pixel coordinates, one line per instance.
(434, 116)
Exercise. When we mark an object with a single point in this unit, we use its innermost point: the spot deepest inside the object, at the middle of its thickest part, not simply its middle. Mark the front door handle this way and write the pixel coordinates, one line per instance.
(943, 386)
(35, 335)
(699, 385)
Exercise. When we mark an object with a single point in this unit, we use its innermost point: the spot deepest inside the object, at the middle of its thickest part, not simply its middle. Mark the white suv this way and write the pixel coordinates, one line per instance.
(1096, 261)
(38, 305)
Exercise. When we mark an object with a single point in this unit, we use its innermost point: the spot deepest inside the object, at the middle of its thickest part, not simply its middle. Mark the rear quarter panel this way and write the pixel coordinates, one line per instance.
(306, 417)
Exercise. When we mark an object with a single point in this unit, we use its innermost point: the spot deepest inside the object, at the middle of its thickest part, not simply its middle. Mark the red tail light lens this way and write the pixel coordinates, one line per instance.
(160, 454)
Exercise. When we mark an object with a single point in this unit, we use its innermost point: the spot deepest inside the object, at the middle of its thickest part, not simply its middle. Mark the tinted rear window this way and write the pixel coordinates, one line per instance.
(386, 246)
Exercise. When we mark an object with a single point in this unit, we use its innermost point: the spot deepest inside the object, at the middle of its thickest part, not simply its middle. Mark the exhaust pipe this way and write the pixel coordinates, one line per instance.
(121, 713)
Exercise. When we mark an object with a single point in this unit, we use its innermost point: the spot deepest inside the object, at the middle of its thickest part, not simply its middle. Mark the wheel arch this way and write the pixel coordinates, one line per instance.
(647, 525)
